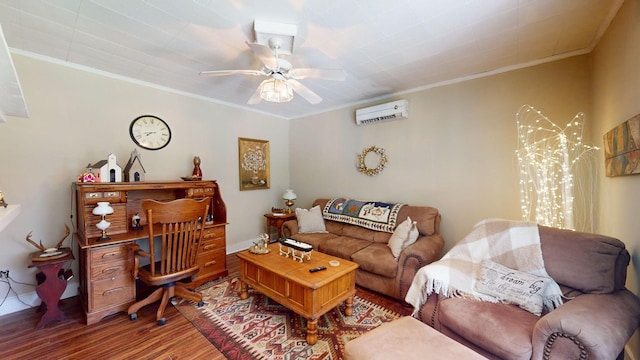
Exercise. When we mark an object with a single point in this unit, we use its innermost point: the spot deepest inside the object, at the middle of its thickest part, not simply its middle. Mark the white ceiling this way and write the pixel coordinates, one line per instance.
(11, 98)
(386, 47)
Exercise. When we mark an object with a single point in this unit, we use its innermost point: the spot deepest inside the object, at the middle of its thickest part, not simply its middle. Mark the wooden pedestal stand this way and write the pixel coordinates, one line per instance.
(51, 288)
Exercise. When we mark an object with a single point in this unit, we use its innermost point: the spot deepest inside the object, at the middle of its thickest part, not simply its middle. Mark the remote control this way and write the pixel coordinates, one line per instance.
(319, 268)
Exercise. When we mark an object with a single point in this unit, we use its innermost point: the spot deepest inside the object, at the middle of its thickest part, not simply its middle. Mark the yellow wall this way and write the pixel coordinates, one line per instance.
(455, 151)
(616, 98)
(78, 117)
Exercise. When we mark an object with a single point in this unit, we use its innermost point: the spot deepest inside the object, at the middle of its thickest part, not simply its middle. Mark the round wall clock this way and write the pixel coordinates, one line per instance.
(150, 132)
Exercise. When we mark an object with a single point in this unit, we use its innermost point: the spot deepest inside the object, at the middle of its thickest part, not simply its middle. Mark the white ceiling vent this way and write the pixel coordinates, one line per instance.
(382, 113)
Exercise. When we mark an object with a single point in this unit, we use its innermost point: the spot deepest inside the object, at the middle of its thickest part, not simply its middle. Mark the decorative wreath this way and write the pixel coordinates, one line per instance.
(362, 166)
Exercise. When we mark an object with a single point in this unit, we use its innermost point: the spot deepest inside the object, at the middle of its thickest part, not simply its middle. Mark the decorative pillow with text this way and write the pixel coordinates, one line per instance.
(310, 221)
(512, 286)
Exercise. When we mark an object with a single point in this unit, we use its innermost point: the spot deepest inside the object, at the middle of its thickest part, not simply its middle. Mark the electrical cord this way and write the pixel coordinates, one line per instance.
(21, 283)
(8, 281)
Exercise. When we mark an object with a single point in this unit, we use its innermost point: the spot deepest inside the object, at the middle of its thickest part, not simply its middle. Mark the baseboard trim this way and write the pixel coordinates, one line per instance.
(30, 299)
(244, 245)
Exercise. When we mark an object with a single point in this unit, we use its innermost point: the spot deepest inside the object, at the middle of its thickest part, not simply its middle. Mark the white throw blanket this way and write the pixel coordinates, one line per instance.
(514, 244)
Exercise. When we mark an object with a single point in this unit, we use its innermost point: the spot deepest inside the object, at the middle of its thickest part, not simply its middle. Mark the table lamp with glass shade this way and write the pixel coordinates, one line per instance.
(103, 209)
(289, 196)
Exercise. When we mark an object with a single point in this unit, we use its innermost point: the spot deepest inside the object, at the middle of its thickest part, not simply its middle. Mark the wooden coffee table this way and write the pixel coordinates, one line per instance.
(290, 283)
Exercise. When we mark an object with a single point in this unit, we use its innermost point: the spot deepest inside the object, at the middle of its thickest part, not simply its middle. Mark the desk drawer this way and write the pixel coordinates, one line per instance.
(112, 291)
(111, 270)
(211, 262)
(110, 196)
(199, 192)
(211, 245)
(110, 254)
(213, 232)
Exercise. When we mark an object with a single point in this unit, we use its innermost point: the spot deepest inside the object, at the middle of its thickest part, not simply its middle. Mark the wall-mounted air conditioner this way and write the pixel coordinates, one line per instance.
(384, 112)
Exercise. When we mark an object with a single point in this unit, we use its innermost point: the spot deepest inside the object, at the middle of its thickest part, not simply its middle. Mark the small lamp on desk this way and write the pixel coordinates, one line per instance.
(103, 209)
(289, 196)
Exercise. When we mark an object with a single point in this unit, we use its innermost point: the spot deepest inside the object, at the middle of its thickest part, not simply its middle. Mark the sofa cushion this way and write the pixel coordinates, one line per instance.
(357, 232)
(501, 329)
(376, 258)
(334, 227)
(404, 235)
(427, 218)
(310, 221)
(588, 262)
(342, 247)
(381, 237)
(314, 239)
(513, 286)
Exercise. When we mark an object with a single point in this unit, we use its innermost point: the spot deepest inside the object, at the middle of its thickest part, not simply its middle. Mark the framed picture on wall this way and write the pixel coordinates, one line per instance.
(253, 158)
(622, 148)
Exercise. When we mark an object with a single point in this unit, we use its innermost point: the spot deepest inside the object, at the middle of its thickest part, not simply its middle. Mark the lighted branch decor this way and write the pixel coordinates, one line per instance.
(362, 163)
(557, 171)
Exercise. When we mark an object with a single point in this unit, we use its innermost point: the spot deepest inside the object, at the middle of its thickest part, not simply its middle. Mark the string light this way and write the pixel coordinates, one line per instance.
(557, 171)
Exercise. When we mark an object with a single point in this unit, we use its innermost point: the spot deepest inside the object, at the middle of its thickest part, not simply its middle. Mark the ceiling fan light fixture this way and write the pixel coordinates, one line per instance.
(275, 90)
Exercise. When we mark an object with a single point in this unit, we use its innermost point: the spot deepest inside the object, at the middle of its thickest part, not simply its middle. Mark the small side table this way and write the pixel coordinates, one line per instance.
(52, 287)
(276, 221)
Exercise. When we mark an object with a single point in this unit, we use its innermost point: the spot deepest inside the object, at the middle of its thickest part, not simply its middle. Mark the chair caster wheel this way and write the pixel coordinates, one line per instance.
(133, 316)
(162, 321)
(201, 304)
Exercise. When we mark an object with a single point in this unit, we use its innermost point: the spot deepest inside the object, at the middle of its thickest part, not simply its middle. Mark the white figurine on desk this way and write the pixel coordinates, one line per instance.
(135, 222)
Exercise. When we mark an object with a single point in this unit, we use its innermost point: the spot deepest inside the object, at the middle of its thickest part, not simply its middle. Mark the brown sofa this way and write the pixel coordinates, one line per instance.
(596, 320)
(379, 270)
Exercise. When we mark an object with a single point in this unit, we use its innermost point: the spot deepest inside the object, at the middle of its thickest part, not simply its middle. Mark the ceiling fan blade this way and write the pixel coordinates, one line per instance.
(232, 72)
(304, 91)
(324, 74)
(255, 98)
(265, 54)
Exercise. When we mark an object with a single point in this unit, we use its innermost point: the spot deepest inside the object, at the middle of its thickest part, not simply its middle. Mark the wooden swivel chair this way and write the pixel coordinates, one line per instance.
(177, 226)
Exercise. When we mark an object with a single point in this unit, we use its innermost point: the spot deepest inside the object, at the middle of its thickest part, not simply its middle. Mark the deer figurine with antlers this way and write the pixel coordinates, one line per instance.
(46, 251)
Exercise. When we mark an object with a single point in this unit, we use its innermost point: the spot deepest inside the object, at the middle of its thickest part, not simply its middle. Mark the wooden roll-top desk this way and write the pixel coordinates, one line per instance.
(107, 285)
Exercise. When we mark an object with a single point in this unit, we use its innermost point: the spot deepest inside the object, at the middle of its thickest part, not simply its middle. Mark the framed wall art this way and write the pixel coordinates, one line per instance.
(253, 157)
(622, 148)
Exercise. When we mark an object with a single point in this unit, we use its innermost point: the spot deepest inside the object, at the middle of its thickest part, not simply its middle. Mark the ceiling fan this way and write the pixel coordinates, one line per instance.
(282, 77)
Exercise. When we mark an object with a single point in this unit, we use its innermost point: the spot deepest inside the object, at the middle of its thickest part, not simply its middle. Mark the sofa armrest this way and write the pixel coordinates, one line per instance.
(424, 251)
(593, 326)
(289, 228)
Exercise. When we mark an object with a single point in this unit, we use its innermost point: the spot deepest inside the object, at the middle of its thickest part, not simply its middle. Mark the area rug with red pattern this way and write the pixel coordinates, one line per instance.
(260, 328)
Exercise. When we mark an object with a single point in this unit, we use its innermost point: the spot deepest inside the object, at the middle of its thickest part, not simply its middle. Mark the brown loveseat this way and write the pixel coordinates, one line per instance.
(379, 270)
(596, 320)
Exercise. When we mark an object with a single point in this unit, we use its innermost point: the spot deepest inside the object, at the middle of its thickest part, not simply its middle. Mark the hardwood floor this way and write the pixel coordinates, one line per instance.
(116, 337)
